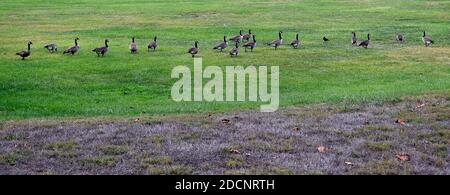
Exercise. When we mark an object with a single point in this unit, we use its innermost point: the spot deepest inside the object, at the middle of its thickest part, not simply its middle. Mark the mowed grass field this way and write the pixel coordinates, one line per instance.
(121, 84)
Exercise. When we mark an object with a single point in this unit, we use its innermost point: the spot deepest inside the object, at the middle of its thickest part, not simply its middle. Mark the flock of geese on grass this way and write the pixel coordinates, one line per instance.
(238, 39)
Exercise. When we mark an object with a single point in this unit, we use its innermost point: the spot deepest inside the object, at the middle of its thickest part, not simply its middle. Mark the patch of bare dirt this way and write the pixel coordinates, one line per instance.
(410, 136)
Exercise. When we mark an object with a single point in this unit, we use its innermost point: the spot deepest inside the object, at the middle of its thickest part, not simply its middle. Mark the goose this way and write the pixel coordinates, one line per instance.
(133, 46)
(222, 45)
(325, 39)
(235, 50)
(399, 37)
(295, 43)
(427, 41)
(247, 36)
(354, 39)
(365, 43)
(194, 50)
(102, 50)
(51, 47)
(25, 53)
(153, 44)
(278, 42)
(237, 38)
(72, 50)
(250, 45)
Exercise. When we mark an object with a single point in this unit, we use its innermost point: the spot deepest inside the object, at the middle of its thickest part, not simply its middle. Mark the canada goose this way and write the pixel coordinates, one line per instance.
(102, 50)
(222, 45)
(247, 36)
(278, 42)
(295, 43)
(250, 45)
(25, 53)
(399, 37)
(194, 50)
(325, 39)
(51, 47)
(237, 38)
(354, 39)
(74, 48)
(365, 43)
(133, 46)
(426, 40)
(235, 50)
(153, 44)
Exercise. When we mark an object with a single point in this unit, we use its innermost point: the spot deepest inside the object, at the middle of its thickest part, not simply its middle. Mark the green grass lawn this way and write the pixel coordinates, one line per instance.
(121, 84)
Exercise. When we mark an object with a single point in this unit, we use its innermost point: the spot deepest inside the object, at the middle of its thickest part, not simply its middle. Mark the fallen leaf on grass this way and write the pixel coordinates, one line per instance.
(321, 149)
(420, 104)
(348, 163)
(225, 121)
(403, 157)
(234, 151)
(400, 121)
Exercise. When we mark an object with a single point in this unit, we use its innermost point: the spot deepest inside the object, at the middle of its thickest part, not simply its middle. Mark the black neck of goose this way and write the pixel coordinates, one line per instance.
(154, 39)
(133, 40)
(76, 42)
(237, 45)
(424, 33)
(249, 31)
(240, 32)
(29, 46)
(254, 40)
(196, 46)
(368, 36)
(296, 37)
(224, 39)
(279, 35)
(106, 43)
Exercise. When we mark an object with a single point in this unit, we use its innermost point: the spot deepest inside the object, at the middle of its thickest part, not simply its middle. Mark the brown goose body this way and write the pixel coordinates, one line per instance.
(295, 43)
(133, 46)
(235, 50)
(365, 43)
(102, 50)
(427, 41)
(250, 45)
(222, 45)
(399, 38)
(354, 39)
(194, 50)
(51, 47)
(153, 44)
(237, 38)
(72, 50)
(247, 37)
(25, 53)
(278, 42)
